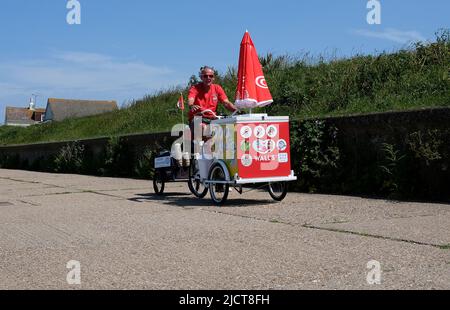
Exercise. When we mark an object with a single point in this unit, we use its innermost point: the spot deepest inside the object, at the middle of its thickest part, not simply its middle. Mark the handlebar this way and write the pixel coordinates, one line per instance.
(207, 111)
(201, 113)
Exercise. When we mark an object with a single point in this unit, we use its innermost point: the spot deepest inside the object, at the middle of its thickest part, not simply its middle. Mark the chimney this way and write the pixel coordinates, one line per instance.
(32, 105)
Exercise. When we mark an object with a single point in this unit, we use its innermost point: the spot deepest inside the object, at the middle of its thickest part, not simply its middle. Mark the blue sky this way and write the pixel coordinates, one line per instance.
(125, 49)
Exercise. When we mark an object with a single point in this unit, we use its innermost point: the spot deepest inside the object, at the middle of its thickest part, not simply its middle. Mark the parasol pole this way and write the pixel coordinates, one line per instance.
(182, 110)
(182, 115)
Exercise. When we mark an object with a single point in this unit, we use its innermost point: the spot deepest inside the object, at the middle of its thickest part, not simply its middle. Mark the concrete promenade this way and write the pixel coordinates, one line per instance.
(124, 237)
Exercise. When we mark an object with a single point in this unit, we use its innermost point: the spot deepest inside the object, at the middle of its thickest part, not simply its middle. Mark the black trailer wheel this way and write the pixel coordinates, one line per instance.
(158, 184)
(278, 190)
(195, 186)
(218, 191)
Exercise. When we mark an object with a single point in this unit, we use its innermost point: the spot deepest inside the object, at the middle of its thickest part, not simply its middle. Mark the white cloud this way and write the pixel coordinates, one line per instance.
(83, 75)
(11, 89)
(87, 72)
(80, 75)
(82, 58)
(391, 34)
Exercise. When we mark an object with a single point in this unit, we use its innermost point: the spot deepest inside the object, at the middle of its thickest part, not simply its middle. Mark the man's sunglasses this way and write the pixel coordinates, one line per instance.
(208, 76)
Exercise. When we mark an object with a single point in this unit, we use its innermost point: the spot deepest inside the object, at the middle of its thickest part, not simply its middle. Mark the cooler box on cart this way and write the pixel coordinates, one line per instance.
(255, 148)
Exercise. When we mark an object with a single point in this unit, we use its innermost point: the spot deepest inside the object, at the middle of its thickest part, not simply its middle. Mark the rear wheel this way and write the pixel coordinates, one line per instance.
(158, 184)
(218, 191)
(195, 186)
(278, 190)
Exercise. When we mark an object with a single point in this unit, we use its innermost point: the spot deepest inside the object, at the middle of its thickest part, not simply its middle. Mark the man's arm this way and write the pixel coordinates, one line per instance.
(229, 106)
(224, 99)
(191, 99)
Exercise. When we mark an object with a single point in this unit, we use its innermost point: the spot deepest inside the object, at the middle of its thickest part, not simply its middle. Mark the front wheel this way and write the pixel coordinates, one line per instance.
(278, 190)
(218, 191)
(195, 186)
(158, 184)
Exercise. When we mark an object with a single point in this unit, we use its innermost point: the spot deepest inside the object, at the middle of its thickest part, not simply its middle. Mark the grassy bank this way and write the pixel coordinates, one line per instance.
(302, 88)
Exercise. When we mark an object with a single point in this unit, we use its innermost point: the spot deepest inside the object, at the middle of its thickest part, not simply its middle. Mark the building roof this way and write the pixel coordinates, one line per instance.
(22, 116)
(60, 109)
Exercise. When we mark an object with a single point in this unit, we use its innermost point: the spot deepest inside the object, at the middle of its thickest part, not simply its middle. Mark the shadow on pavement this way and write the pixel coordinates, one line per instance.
(188, 200)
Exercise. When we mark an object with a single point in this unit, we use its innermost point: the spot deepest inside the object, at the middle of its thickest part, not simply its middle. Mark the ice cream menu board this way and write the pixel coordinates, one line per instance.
(263, 150)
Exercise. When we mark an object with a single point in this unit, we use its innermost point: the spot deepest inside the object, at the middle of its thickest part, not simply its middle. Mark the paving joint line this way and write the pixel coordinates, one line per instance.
(31, 182)
(308, 226)
(384, 218)
(272, 221)
(29, 203)
(439, 246)
(54, 194)
(102, 194)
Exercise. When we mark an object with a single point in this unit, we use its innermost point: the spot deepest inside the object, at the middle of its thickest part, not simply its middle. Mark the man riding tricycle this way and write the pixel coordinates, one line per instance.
(237, 151)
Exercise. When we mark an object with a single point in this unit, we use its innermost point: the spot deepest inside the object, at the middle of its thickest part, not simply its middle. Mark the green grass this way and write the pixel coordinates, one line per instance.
(303, 87)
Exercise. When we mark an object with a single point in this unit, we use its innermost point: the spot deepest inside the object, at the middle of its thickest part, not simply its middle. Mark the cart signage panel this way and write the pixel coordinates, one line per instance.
(162, 162)
(263, 149)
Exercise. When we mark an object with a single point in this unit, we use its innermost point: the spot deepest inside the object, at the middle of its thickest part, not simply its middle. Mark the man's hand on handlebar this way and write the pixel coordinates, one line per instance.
(195, 108)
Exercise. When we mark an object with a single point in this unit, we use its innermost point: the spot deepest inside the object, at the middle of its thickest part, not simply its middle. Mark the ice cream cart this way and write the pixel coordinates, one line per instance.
(241, 150)
(245, 150)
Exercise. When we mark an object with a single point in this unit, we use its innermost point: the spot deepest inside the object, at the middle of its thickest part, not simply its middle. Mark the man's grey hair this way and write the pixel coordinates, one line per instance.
(204, 68)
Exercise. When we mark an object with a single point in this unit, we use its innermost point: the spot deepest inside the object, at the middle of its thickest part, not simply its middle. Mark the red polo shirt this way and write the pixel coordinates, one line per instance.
(206, 99)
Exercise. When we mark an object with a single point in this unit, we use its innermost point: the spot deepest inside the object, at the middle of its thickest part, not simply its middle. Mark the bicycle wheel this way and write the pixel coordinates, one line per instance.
(195, 186)
(158, 184)
(219, 191)
(278, 190)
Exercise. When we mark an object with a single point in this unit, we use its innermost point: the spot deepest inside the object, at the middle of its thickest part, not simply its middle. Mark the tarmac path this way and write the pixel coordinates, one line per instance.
(124, 237)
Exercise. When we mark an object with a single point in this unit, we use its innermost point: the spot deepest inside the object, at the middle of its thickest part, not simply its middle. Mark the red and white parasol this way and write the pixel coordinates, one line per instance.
(252, 90)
